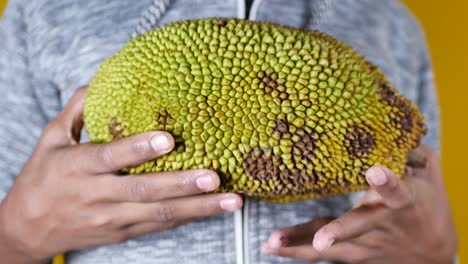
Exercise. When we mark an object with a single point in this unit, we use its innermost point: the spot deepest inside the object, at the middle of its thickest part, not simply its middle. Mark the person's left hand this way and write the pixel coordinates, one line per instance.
(397, 221)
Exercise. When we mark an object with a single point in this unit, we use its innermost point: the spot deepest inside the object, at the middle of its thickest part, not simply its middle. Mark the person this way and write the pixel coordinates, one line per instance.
(62, 194)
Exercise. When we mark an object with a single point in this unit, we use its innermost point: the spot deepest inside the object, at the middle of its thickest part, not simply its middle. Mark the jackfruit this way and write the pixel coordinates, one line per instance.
(282, 114)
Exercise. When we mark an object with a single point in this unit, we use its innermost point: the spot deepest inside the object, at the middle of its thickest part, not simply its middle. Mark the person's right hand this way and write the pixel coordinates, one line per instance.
(69, 196)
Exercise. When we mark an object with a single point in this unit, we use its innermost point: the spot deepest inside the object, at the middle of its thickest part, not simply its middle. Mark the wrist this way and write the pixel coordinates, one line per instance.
(8, 251)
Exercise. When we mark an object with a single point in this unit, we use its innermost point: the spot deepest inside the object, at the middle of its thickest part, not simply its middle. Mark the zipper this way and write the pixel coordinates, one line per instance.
(254, 9)
(241, 233)
(245, 231)
(239, 225)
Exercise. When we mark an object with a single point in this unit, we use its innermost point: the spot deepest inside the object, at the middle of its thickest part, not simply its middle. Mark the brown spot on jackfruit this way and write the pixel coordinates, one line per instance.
(221, 23)
(261, 164)
(385, 92)
(402, 117)
(405, 118)
(282, 126)
(115, 129)
(422, 126)
(359, 141)
(163, 118)
(302, 151)
(272, 86)
(305, 146)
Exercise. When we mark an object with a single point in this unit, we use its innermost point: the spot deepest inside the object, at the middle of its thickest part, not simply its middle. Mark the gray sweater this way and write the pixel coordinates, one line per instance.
(48, 48)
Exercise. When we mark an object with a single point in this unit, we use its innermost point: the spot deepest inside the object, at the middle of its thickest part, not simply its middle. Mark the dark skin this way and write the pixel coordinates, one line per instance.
(397, 221)
(71, 190)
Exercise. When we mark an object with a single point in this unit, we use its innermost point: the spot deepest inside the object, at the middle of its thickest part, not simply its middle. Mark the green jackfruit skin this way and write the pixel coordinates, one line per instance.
(281, 114)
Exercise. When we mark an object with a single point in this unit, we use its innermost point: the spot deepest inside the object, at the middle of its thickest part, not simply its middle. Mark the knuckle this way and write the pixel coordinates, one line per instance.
(100, 220)
(140, 191)
(106, 155)
(68, 164)
(335, 227)
(92, 198)
(51, 126)
(52, 130)
(164, 215)
(102, 190)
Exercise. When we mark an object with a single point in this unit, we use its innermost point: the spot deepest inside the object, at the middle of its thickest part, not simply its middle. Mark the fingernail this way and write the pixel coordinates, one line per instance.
(229, 204)
(378, 177)
(275, 243)
(160, 142)
(205, 183)
(277, 240)
(267, 250)
(323, 244)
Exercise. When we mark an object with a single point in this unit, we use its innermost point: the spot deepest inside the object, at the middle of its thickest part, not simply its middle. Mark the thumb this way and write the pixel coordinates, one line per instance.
(298, 234)
(394, 192)
(371, 197)
(65, 129)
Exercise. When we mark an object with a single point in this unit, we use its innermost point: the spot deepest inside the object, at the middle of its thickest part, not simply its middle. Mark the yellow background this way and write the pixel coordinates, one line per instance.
(446, 24)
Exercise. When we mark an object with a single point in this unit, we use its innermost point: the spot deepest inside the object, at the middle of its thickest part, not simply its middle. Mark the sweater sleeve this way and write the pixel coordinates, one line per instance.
(427, 97)
(21, 117)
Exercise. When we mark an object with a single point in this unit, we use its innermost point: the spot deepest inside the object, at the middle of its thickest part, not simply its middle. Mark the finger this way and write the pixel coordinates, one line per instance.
(395, 193)
(432, 169)
(65, 129)
(138, 217)
(420, 157)
(350, 225)
(298, 234)
(123, 153)
(416, 159)
(303, 252)
(153, 187)
(344, 252)
(432, 173)
(371, 197)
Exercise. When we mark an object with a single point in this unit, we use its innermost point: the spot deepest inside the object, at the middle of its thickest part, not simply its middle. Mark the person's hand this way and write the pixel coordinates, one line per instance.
(69, 196)
(397, 221)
